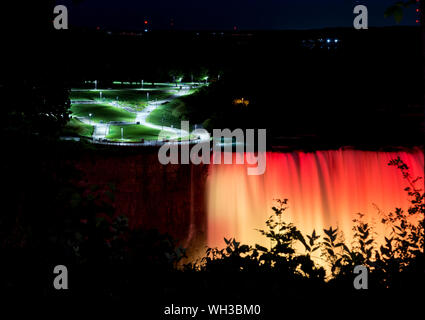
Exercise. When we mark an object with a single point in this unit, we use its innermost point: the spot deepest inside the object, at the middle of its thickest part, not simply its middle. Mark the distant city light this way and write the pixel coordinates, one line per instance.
(241, 101)
(327, 43)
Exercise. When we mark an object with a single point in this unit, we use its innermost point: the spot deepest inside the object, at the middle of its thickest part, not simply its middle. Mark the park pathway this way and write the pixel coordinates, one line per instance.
(101, 130)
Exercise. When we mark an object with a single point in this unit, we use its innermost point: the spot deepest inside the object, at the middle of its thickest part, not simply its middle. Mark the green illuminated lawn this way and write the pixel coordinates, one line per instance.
(167, 115)
(172, 112)
(133, 133)
(76, 128)
(165, 112)
(102, 112)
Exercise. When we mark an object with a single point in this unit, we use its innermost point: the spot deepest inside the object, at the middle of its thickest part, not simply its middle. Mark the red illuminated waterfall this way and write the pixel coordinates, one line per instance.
(324, 188)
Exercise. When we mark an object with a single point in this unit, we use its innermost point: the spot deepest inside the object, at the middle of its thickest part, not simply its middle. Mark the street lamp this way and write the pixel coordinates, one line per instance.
(90, 115)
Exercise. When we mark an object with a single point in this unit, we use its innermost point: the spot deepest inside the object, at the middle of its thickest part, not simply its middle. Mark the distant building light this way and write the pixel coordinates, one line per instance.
(328, 40)
(241, 101)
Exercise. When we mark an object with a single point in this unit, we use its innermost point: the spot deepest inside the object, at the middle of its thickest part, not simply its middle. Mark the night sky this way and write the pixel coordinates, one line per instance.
(226, 14)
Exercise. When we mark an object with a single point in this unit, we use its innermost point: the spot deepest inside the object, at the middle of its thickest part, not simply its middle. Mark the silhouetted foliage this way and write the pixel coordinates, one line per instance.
(32, 107)
(398, 263)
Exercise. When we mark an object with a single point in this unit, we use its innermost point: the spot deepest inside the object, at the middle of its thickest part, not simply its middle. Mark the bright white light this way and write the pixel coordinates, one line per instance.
(328, 41)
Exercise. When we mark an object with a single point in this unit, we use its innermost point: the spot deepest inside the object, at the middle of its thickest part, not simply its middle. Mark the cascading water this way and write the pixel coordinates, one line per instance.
(324, 188)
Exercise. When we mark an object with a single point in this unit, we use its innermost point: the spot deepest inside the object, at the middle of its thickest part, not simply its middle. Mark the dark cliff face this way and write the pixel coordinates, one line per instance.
(169, 198)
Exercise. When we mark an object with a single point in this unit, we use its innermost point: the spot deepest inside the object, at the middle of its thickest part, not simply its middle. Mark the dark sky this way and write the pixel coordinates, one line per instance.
(225, 14)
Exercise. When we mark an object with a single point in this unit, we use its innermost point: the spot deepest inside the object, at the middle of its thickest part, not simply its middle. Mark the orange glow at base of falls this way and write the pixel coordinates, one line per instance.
(324, 188)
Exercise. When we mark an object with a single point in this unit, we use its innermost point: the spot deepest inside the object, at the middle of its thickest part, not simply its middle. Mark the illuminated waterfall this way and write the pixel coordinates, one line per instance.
(324, 188)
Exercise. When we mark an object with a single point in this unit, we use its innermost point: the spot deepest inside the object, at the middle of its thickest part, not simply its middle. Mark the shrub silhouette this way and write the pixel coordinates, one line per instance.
(397, 263)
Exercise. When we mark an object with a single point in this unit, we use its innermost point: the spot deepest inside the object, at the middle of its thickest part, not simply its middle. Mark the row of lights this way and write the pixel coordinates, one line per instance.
(418, 12)
(330, 40)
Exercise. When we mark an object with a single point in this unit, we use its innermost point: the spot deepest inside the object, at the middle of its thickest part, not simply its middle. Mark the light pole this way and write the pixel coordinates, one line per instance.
(95, 84)
(91, 121)
(122, 133)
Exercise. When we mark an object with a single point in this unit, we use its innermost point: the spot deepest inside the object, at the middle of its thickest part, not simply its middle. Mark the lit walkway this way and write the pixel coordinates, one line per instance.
(101, 130)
